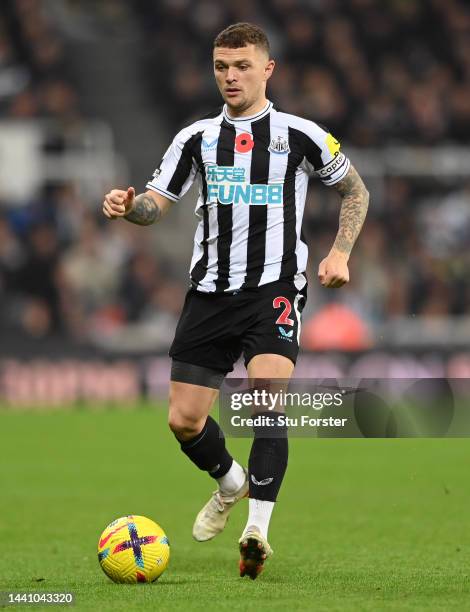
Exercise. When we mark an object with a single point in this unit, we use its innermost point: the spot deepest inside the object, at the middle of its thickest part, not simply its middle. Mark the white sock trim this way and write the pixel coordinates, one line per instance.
(259, 515)
(233, 479)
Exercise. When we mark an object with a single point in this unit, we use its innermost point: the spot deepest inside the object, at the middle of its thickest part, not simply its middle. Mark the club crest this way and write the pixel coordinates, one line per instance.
(279, 145)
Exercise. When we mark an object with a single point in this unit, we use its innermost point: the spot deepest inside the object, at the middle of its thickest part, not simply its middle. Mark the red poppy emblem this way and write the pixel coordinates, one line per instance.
(244, 143)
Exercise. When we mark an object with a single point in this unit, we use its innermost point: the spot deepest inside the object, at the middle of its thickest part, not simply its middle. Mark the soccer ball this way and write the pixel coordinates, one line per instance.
(133, 549)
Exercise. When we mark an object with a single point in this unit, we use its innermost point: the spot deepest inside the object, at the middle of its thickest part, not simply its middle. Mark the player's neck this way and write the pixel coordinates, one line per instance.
(254, 109)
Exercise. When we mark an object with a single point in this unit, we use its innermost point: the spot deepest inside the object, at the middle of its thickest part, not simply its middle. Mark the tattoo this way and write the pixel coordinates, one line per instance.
(145, 210)
(353, 210)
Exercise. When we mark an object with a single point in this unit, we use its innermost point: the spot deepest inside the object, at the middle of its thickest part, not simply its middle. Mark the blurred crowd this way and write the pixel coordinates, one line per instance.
(373, 72)
(65, 270)
(34, 82)
(412, 257)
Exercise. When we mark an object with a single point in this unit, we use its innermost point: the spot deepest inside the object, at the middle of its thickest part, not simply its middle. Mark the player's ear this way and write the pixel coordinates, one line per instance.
(269, 68)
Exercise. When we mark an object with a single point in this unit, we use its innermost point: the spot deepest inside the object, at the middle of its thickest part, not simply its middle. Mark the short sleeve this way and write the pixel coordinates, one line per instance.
(323, 155)
(178, 168)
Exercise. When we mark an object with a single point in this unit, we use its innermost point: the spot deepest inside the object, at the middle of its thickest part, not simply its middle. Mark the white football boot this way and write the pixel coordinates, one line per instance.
(254, 550)
(212, 519)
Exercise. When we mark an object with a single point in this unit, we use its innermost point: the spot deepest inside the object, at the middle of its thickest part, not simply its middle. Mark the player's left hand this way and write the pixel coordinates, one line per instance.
(333, 270)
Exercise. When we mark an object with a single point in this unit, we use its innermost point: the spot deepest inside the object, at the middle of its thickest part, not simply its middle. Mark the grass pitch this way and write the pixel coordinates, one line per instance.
(359, 525)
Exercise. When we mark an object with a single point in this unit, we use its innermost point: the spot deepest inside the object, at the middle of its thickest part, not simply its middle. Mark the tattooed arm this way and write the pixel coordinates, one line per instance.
(353, 210)
(333, 270)
(144, 209)
(148, 208)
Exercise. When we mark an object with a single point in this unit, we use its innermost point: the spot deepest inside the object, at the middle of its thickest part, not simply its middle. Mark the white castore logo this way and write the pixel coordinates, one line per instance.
(261, 483)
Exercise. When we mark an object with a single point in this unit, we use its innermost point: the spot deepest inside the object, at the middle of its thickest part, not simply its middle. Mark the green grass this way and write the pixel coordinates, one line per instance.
(360, 524)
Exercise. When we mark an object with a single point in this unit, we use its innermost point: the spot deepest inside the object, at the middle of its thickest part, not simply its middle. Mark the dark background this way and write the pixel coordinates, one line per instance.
(91, 94)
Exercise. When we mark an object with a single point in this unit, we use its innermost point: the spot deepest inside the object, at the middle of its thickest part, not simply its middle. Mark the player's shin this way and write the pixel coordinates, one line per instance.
(207, 450)
(267, 466)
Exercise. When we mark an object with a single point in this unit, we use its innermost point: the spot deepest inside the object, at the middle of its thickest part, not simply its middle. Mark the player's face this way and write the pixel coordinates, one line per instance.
(241, 76)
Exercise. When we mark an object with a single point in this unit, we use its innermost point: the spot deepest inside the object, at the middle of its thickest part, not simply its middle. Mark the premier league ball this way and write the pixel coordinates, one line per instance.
(133, 549)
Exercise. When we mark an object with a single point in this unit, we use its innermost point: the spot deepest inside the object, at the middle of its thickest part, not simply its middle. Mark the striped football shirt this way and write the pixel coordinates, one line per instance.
(253, 174)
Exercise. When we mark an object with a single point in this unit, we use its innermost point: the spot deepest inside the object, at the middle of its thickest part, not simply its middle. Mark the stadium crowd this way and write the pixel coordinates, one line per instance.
(373, 72)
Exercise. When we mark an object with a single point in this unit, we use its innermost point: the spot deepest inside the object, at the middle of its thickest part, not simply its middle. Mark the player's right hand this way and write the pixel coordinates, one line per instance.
(118, 203)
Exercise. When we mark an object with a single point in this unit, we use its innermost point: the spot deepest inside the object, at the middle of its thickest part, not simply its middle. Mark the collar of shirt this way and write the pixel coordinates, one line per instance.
(255, 117)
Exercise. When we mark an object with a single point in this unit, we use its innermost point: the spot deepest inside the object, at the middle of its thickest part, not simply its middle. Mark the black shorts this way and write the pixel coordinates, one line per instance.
(214, 330)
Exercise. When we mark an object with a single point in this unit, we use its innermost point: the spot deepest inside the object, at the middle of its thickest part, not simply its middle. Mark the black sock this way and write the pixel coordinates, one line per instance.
(268, 459)
(207, 450)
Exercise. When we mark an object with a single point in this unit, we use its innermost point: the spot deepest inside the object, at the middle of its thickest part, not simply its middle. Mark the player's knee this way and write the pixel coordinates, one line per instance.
(184, 426)
(186, 418)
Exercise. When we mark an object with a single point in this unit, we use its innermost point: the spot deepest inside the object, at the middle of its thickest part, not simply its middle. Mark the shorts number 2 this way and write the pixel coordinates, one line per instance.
(283, 318)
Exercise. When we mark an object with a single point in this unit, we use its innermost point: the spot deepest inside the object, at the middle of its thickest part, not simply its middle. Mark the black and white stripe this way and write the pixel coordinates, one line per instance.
(225, 157)
(258, 215)
(240, 245)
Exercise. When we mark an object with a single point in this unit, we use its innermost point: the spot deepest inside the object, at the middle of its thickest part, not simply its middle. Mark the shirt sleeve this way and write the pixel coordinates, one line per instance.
(323, 155)
(178, 168)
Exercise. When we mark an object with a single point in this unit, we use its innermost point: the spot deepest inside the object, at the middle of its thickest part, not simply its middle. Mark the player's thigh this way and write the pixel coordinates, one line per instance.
(269, 366)
(270, 372)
